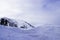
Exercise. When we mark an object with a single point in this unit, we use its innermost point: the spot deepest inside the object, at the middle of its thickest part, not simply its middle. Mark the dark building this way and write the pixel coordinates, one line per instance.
(8, 22)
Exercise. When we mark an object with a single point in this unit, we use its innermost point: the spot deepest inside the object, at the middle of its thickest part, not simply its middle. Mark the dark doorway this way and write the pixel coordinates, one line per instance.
(3, 22)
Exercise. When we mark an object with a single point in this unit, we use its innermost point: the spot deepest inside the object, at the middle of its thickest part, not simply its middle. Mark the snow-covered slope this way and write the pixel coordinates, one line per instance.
(18, 23)
(40, 33)
(24, 25)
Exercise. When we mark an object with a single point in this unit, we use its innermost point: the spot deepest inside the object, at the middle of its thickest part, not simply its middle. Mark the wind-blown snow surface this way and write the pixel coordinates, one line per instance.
(47, 32)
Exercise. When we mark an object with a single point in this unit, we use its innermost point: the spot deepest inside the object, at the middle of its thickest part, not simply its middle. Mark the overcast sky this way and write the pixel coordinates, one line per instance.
(34, 11)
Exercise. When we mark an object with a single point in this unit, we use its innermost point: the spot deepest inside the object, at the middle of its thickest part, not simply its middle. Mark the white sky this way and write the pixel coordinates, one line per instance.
(8, 8)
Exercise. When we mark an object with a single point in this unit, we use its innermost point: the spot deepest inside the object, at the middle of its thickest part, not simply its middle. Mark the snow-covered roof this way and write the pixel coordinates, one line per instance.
(10, 20)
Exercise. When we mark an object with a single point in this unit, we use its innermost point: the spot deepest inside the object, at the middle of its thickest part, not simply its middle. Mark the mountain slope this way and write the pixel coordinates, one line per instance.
(39, 33)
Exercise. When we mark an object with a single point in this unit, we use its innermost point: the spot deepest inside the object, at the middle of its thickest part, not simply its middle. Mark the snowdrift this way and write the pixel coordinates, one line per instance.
(39, 33)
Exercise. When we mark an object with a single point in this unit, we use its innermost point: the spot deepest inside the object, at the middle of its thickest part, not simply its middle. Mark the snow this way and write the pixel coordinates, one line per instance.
(46, 32)
(20, 23)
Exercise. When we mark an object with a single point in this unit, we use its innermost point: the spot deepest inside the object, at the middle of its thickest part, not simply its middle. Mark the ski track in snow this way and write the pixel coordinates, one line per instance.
(40, 33)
